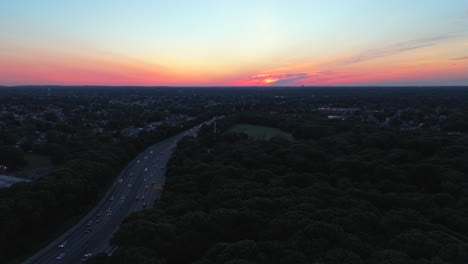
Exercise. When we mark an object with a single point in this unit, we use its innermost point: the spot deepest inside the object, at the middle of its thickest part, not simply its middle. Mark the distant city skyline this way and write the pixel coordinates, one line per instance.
(234, 43)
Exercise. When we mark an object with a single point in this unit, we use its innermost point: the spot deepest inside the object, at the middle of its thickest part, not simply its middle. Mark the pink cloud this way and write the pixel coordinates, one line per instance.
(303, 78)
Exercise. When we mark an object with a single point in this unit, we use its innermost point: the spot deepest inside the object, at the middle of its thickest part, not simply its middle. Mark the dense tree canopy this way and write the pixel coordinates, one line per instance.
(351, 195)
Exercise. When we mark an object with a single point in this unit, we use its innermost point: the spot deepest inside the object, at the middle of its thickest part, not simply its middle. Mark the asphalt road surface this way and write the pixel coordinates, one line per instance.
(138, 186)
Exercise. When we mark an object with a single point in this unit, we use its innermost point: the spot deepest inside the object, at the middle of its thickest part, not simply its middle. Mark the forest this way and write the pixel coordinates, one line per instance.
(341, 193)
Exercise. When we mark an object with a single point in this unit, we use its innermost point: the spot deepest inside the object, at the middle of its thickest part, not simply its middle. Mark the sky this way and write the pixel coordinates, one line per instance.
(234, 43)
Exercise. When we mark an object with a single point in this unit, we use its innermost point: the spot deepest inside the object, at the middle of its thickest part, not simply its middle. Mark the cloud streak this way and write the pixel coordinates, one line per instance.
(302, 78)
(275, 79)
(394, 49)
(460, 58)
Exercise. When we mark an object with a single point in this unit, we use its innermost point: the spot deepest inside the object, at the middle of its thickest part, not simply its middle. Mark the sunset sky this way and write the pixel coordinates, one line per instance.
(234, 42)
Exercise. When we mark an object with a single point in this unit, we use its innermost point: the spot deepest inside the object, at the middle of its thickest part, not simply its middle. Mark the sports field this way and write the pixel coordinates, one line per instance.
(260, 132)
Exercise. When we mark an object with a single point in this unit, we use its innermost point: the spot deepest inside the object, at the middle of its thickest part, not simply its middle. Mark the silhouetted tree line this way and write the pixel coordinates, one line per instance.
(340, 193)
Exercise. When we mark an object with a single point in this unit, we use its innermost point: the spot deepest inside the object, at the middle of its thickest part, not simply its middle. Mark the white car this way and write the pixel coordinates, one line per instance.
(146, 169)
(129, 185)
(64, 243)
(86, 257)
(59, 257)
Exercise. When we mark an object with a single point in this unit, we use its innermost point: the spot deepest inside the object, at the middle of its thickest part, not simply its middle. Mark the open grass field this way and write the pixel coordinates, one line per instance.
(260, 132)
(38, 165)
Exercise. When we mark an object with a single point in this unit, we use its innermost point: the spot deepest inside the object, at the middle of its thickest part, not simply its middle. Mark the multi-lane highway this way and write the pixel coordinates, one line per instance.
(138, 186)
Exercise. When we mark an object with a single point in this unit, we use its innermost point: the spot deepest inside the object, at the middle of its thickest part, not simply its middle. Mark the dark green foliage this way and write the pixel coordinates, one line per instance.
(379, 197)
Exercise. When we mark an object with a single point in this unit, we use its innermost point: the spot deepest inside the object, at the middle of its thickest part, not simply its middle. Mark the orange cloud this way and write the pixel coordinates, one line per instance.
(415, 72)
(277, 79)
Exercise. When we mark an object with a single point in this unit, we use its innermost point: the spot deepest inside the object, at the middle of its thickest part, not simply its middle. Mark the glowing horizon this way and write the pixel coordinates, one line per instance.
(227, 43)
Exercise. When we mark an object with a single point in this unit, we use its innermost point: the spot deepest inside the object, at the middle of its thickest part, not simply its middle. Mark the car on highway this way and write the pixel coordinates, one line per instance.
(120, 180)
(90, 222)
(99, 214)
(98, 220)
(129, 185)
(122, 197)
(63, 244)
(109, 213)
(112, 198)
(87, 230)
(60, 256)
(86, 257)
(146, 169)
